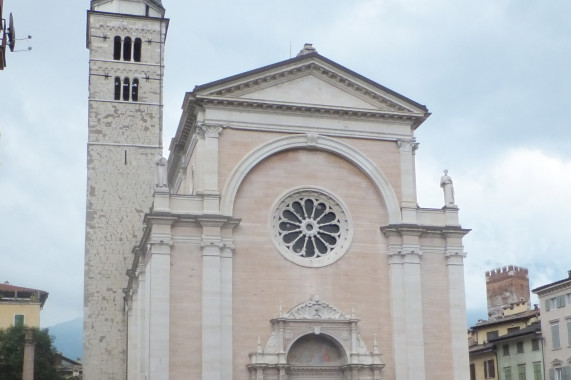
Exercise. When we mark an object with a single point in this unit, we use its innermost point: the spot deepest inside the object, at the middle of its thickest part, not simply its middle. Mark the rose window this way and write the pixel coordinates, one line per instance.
(311, 227)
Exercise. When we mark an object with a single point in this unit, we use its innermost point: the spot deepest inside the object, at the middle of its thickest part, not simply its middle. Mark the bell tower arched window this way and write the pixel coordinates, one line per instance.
(135, 90)
(126, 88)
(117, 88)
(137, 50)
(127, 49)
(117, 48)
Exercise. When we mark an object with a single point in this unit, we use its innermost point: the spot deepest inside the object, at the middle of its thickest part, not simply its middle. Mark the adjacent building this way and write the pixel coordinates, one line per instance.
(508, 345)
(20, 306)
(282, 239)
(555, 298)
(520, 353)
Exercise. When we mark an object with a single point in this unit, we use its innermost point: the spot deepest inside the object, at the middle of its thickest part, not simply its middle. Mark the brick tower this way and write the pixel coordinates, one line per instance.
(126, 40)
(506, 288)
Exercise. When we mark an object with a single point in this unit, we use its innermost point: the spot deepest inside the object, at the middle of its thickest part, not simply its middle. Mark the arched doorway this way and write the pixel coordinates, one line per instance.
(315, 340)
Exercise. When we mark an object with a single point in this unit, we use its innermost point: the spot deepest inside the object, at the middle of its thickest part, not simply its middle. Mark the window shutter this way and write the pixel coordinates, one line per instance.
(492, 368)
(547, 305)
(551, 374)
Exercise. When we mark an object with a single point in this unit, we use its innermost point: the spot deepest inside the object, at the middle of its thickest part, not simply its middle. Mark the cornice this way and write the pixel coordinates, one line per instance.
(297, 65)
(553, 287)
(331, 76)
(308, 109)
(421, 229)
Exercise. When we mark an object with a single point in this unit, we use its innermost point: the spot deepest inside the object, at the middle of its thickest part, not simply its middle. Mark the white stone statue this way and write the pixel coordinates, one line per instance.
(161, 165)
(448, 187)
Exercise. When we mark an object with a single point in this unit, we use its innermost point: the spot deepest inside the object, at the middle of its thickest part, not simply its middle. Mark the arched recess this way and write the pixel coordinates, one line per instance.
(313, 353)
(315, 340)
(311, 141)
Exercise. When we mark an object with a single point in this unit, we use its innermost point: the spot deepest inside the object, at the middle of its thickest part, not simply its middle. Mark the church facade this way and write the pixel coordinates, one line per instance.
(281, 240)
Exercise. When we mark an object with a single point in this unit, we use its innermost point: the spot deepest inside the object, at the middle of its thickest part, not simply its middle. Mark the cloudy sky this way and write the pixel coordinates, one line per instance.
(494, 74)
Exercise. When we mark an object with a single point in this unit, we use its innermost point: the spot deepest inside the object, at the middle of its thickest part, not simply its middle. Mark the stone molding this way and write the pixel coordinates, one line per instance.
(315, 309)
(315, 318)
(354, 156)
(208, 130)
(407, 145)
(334, 204)
(353, 113)
(373, 95)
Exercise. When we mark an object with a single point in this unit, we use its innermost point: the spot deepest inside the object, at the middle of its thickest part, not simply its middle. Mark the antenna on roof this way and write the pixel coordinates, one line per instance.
(8, 37)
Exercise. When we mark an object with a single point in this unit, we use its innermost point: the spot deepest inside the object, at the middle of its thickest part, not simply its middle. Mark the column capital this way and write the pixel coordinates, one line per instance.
(407, 145)
(455, 256)
(209, 130)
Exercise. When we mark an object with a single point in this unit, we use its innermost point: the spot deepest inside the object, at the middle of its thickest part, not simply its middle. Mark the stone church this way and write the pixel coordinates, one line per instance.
(281, 240)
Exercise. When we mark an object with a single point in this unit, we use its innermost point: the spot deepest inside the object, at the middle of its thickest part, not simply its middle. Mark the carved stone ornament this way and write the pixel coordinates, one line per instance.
(209, 130)
(315, 340)
(311, 227)
(315, 309)
(407, 145)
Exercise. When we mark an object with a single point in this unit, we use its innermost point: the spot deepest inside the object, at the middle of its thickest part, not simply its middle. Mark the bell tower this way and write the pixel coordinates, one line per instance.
(126, 40)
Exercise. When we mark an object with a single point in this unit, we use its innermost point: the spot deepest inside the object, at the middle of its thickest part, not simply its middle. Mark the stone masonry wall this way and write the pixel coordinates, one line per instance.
(505, 286)
(124, 139)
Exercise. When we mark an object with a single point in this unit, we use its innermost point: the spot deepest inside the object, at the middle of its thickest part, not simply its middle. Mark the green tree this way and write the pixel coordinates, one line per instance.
(12, 354)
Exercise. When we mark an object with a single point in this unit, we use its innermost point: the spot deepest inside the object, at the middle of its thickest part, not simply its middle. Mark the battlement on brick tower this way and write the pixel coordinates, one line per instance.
(507, 290)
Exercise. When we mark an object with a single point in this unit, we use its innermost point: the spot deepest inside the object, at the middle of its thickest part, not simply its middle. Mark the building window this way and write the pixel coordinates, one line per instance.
(535, 345)
(311, 227)
(506, 349)
(537, 371)
(472, 371)
(508, 373)
(137, 50)
(127, 49)
(489, 369)
(19, 320)
(563, 373)
(492, 335)
(555, 302)
(135, 90)
(568, 296)
(117, 48)
(520, 347)
(117, 88)
(521, 372)
(555, 336)
(569, 332)
(126, 88)
(512, 329)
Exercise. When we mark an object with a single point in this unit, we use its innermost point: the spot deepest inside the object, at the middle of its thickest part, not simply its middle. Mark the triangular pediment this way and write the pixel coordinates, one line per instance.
(311, 81)
(311, 90)
(315, 309)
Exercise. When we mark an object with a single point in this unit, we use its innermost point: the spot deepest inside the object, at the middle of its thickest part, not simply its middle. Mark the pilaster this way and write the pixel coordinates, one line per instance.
(132, 326)
(211, 192)
(142, 323)
(457, 298)
(398, 304)
(414, 319)
(407, 149)
(159, 310)
(226, 309)
(406, 301)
